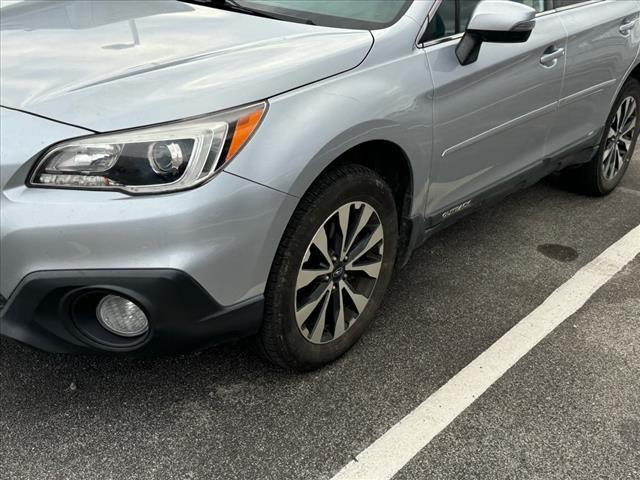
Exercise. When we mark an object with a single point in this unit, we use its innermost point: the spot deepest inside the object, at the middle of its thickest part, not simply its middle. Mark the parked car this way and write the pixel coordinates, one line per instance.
(180, 173)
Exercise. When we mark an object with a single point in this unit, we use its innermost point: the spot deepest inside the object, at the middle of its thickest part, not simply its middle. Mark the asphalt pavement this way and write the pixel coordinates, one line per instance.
(570, 409)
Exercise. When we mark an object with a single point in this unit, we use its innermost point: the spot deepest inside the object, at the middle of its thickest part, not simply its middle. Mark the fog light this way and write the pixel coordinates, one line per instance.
(121, 316)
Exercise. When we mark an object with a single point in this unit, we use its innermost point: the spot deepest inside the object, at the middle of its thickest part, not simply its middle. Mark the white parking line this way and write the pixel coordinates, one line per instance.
(389, 453)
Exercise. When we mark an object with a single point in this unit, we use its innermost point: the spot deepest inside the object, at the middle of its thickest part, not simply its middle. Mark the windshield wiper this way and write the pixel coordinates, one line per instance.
(235, 6)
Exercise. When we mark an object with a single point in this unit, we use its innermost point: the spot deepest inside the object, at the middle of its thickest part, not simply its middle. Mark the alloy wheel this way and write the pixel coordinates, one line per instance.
(339, 272)
(620, 138)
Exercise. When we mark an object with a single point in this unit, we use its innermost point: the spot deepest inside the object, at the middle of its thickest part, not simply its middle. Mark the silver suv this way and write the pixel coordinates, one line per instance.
(180, 173)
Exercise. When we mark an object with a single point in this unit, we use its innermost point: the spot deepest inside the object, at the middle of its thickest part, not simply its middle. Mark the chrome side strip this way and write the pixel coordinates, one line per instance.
(500, 128)
(586, 92)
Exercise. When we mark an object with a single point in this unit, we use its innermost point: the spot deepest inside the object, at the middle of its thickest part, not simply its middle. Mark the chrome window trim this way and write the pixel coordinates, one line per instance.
(432, 11)
(570, 7)
(458, 36)
(438, 41)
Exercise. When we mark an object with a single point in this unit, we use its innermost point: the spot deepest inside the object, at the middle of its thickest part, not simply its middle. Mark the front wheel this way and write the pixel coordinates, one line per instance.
(331, 270)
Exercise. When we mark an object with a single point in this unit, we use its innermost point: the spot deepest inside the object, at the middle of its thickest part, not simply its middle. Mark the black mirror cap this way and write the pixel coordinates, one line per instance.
(468, 49)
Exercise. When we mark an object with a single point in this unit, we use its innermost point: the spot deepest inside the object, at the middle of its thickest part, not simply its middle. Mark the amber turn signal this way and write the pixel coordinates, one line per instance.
(245, 126)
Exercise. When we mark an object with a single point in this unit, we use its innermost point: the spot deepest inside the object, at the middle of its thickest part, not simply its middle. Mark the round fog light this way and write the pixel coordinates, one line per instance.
(121, 316)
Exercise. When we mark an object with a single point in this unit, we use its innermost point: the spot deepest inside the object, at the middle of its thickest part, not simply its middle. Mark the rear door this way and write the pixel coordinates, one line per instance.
(492, 117)
(603, 41)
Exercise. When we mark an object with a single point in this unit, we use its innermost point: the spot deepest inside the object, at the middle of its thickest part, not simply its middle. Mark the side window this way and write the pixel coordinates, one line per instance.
(567, 3)
(453, 16)
(444, 23)
(539, 5)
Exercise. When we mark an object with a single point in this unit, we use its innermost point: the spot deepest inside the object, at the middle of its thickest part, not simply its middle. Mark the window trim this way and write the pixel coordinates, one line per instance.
(458, 36)
(430, 16)
(570, 7)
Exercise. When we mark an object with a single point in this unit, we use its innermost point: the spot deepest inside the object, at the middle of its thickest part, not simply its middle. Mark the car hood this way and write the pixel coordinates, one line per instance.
(107, 65)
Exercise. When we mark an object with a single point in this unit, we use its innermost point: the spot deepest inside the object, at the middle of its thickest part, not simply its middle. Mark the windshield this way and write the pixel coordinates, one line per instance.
(359, 14)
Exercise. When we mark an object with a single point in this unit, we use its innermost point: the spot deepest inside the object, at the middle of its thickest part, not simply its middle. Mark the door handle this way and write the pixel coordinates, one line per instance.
(626, 27)
(551, 56)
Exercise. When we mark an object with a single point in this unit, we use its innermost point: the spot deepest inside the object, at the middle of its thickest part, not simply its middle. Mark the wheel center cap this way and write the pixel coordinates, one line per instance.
(338, 273)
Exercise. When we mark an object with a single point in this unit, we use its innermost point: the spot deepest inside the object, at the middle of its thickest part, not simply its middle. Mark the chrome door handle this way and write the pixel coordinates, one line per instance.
(625, 28)
(550, 58)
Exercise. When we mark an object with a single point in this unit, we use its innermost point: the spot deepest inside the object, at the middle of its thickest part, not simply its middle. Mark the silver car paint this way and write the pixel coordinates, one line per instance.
(393, 83)
(502, 129)
(109, 65)
(597, 65)
(335, 93)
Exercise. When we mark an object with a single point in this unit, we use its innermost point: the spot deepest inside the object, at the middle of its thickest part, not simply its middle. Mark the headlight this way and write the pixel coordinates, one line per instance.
(158, 159)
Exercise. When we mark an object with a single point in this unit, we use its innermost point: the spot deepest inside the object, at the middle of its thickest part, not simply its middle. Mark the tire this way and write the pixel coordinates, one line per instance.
(599, 177)
(286, 338)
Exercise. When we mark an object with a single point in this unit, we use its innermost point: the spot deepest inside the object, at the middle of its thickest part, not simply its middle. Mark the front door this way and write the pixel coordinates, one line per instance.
(491, 118)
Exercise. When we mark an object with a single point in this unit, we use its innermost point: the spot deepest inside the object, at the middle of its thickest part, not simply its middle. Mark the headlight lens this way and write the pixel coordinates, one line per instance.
(157, 159)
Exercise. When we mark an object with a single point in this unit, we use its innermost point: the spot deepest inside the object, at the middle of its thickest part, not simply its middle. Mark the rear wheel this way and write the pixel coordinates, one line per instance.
(603, 174)
(331, 270)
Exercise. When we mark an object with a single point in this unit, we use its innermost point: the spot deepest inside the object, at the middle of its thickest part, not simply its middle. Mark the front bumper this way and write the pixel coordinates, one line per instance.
(55, 311)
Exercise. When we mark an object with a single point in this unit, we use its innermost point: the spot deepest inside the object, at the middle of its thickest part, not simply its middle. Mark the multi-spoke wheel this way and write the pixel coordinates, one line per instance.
(620, 138)
(332, 268)
(603, 174)
(339, 272)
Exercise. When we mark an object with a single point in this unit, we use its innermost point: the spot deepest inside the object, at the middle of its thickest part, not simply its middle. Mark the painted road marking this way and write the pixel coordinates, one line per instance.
(393, 450)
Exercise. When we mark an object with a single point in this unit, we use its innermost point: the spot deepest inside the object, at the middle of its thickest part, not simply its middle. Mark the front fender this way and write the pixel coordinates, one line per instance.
(305, 130)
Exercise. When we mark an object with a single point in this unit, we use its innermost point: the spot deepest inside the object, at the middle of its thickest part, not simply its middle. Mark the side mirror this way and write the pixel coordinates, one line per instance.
(495, 21)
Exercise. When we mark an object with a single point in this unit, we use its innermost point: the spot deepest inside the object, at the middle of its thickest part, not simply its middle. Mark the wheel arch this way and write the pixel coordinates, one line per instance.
(635, 73)
(389, 161)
